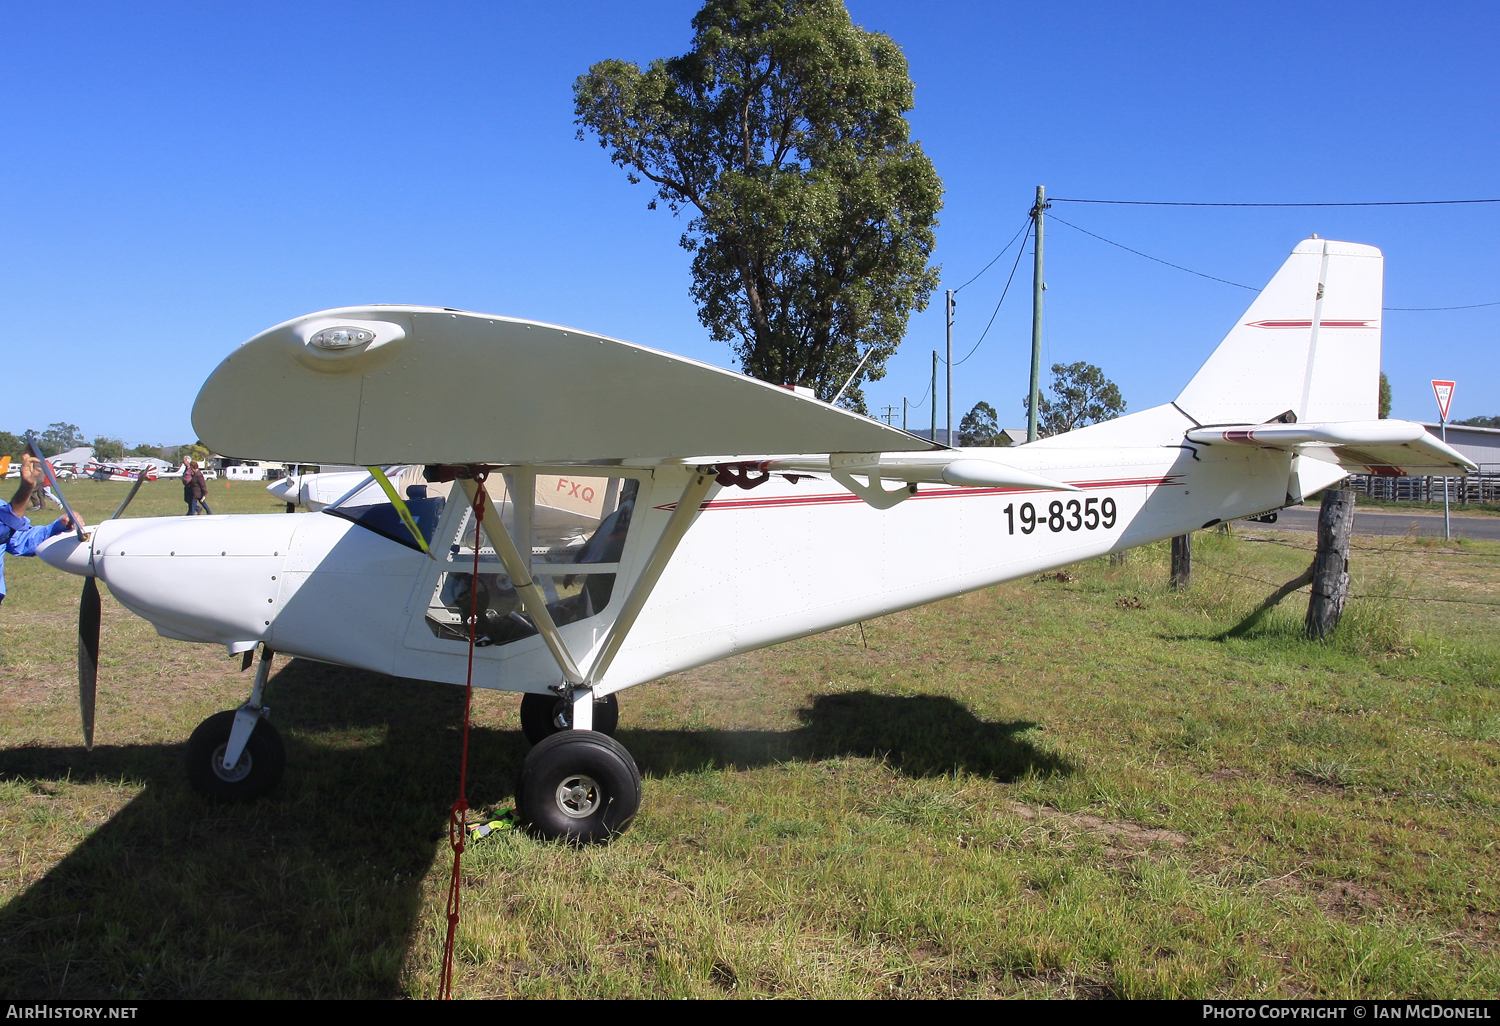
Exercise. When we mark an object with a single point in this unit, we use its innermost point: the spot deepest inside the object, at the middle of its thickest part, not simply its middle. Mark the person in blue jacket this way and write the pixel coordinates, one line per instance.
(17, 536)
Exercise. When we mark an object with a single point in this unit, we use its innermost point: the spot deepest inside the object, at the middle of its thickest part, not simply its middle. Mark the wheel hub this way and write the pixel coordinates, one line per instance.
(577, 796)
(241, 769)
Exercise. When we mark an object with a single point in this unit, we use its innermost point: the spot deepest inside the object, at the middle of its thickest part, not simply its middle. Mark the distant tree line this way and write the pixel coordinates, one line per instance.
(61, 437)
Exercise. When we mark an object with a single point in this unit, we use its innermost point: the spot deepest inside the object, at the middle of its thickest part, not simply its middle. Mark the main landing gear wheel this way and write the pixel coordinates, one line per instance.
(580, 786)
(259, 769)
(545, 715)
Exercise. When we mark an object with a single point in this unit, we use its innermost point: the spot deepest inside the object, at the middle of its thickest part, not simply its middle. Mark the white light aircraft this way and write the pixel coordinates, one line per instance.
(591, 515)
(315, 491)
(103, 471)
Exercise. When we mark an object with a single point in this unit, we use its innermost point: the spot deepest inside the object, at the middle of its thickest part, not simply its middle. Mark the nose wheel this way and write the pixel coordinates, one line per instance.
(256, 771)
(579, 786)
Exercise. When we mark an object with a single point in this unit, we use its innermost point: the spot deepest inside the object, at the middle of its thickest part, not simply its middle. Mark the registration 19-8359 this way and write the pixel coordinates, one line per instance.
(1090, 514)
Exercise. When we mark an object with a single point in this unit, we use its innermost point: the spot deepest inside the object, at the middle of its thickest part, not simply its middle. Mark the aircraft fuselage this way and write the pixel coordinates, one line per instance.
(757, 567)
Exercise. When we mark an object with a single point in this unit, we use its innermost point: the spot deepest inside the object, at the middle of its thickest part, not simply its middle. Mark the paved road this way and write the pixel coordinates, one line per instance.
(1305, 518)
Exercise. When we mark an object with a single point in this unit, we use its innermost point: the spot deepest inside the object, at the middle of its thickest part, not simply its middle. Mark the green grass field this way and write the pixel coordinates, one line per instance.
(1081, 785)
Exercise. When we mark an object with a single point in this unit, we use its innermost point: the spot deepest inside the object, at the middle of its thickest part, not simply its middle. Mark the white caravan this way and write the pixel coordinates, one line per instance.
(643, 513)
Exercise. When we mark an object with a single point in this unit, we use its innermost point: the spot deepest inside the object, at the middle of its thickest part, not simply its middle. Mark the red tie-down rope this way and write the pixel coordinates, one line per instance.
(457, 816)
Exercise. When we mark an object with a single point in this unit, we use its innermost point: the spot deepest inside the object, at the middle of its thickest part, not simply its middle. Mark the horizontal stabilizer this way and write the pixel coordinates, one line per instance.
(402, 384)
(1385, 447)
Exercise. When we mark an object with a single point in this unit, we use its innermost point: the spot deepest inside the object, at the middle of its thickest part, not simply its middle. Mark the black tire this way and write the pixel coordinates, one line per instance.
(259, 769)
(580, 786)
(539, 715)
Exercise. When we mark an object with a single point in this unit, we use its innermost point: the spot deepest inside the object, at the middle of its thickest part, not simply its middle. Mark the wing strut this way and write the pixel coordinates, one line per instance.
(522, 581)
(687, 507)
(378, 473)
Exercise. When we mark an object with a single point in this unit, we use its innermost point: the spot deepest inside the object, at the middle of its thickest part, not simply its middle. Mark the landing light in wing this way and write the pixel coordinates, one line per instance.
(341, 338)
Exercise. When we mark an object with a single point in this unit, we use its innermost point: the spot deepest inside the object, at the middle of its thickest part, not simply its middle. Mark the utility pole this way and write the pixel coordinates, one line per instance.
(950, 366)
(890, 412)
(1037, 288)
(903, 413)
(934, 395)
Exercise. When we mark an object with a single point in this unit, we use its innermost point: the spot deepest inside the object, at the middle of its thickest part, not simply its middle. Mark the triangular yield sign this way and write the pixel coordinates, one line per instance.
(1444, 392)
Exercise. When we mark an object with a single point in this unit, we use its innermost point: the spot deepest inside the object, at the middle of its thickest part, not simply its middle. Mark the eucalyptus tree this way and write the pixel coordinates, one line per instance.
(781, 134)
(980, 426)
(1081, 395)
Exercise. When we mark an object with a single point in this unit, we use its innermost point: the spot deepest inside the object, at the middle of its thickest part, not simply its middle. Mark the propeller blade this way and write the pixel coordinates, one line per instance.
(130, 496)
(89, 615)
(51, 479)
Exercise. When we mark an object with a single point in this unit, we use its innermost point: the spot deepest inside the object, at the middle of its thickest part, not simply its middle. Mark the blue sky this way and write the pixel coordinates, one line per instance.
(177, 177)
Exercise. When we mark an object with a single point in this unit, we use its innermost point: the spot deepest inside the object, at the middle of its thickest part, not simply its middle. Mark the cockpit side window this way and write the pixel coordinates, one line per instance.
(577, 523)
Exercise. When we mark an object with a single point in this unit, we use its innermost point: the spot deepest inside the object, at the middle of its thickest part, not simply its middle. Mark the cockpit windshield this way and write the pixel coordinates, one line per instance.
(370, 508)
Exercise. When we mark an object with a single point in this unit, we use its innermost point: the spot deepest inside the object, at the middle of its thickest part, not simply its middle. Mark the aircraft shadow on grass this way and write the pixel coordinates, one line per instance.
(317, 889)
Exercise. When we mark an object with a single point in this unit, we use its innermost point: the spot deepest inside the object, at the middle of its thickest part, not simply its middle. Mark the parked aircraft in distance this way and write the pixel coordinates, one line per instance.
(102, 471)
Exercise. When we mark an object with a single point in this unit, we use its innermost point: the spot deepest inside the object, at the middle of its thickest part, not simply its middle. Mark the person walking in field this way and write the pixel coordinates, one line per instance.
(194, 489)
(17, 536)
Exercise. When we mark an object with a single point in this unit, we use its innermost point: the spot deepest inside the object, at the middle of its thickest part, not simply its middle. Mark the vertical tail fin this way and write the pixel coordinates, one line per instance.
(1309, 344)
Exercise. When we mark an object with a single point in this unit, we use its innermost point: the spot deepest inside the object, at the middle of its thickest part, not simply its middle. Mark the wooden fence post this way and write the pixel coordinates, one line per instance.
(1330, 582)
(1182, 561)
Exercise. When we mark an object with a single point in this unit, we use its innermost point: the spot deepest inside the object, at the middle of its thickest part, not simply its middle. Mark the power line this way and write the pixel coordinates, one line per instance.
(1012, 242)
(1148, 256)
(1019, 254)
(1189, 270)
(1175, 203)
(1425, 309)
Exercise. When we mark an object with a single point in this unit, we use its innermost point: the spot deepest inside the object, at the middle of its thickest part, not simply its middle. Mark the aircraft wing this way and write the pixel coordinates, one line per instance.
(1389, 448)
(405, 384)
